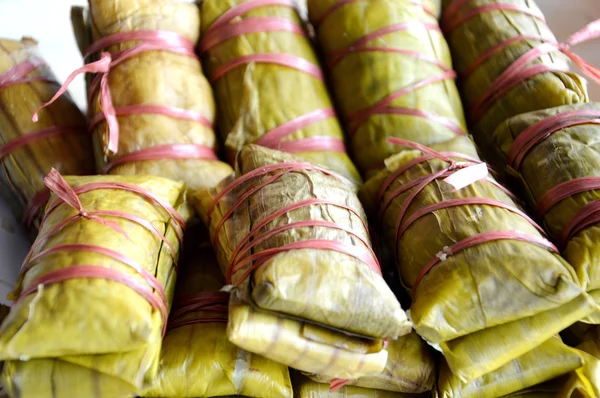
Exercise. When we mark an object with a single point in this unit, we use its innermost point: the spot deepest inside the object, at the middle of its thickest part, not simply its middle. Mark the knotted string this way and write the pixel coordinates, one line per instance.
(69, 196)
(470, 174)
(523, 68)
(230, 25)
(151, 40)
(246, 252)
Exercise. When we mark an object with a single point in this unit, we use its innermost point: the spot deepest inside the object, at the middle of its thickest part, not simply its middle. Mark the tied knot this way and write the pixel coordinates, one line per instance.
(444, 253)
(85, 214)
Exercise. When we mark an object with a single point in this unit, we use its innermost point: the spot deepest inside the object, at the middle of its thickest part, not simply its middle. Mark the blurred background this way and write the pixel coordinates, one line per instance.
(48, 21)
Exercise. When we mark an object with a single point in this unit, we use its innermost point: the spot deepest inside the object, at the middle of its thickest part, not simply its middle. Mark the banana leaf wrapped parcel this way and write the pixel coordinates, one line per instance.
(548, 361)
(410, 368)
(561, 143)
(391, 73)
(292, 239)
(508, 61)
(197, 360)
(269, 84)
(28, 150)
(307, 388)
(151, 109)
(95, 289)
(487, 287)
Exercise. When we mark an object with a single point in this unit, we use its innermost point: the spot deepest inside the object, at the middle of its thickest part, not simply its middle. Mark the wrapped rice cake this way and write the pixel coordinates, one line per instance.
(197, 360)
(307, 388)
(560, 143)
(548, 361)
(28, 150)
(151, 108)
(268, 82)
(292, 239)
(95, 289)
(487, 287)
(508, 61)
(391, 73)
(410, 368)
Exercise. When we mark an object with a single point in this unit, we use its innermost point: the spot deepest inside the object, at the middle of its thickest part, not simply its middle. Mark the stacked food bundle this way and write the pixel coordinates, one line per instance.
(294, 278)
(458, 237)
(524, 131)
(151, 109)
(28, 149)
(268, 82)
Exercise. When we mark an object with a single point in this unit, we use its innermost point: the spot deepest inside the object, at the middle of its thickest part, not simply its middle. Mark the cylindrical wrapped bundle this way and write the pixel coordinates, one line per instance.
(268, 82)
(548, 361)
(562, 145)
(307, 388)
(410, 368)
(96, 286)
(508, 62)
(151, 108)
(28, 150)
(391, 72)
(292, 239)
(487, 286)
(197, 360)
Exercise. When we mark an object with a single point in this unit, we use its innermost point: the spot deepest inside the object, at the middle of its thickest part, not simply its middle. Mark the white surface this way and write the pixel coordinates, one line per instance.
(48, 21)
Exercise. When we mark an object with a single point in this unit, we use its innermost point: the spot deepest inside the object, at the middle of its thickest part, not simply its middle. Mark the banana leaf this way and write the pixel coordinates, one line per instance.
(197, 360)
(410, 368)
(307, 388)
(265, 102)
(67, 146)
(95, 287)
(471, 40)
(309, 258)
(563, 156)
(482, 303)
(152, 78)
(391, 76)
(549, 360)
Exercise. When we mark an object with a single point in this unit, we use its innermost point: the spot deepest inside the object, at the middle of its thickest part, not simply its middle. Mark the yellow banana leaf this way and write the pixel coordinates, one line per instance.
(410, 368)
(549, 360)
(482, 303)
(152, 78)
(311, 262)
(564, 156)
(472, 39)
(197, 360)
(68, 148)
(306, 388)
(90, 290)
(391, 76)
(259, 98)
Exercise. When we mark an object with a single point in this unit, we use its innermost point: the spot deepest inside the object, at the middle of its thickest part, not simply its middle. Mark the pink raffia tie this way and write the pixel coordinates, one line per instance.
(524, 67)
(247, 257)
(151, 289)
(19, 74)
(470, 173)
(529, 138)
(152, 40)
(215, 303)
(384, 106)
(230, 25)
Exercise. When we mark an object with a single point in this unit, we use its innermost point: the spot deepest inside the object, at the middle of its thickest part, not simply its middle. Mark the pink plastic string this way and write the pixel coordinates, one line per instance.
(35, 206)
(200, 302)
(564, 191)
(164, 152)
(475, 240)
(537, 132)
(152, 40)
(17, 74)
(584, 218)
(239, 261)
(39, 135)
(522, 69)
